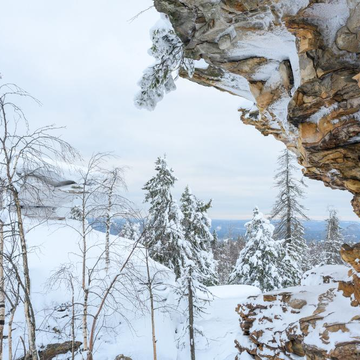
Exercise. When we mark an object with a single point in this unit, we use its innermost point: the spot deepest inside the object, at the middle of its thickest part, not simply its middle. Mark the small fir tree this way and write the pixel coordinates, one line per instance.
(330, 254)
(258, 262)
(130, 230)
(164, 232)
(289, 228)
(197, 230)
(75, 213)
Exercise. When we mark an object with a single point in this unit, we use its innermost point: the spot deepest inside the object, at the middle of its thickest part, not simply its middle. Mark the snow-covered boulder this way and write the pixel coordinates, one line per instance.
(325, 275)
(304, 322)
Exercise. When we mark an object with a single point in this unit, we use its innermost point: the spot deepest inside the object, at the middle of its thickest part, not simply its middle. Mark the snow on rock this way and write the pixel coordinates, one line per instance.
(312, 322)
(325, 275)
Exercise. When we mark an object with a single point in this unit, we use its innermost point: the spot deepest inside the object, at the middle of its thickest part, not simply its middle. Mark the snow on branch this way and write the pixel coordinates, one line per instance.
(159, 79)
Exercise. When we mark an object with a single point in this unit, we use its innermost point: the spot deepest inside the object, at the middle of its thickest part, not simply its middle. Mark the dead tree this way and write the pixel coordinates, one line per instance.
(65, 276)
(99, 203)
(23, 155)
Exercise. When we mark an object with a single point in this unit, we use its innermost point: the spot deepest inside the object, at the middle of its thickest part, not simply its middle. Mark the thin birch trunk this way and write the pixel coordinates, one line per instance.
(2, 289)
(191, 320)
(72, 320)
(84, 284)
(108, 226)
(29, 314)
(152, 309)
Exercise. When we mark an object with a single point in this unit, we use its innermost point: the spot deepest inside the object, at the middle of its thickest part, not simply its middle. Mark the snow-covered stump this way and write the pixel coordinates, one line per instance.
(312, 321)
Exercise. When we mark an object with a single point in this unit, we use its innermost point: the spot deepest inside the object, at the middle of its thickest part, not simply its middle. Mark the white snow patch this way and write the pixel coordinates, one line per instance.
(316, 275)
(234, 291)
(323, 111)
(329, 17)
(201, 64)
(237, 85)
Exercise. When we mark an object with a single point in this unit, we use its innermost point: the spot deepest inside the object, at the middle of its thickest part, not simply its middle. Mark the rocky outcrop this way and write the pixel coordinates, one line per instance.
(297, 61)
(122, 357)
(351, 288)
(52, 351)
(305, 322)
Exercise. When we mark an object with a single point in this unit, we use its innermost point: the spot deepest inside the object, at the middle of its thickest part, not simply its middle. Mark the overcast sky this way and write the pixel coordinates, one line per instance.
(83, 59)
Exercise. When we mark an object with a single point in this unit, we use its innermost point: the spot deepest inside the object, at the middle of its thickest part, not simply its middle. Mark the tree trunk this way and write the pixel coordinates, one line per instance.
(152, 309)
(85, 315)
(191, 320)
(11, 320)
(72, 321)
(2, 289)
(84, 287)
(29, 313)
(108, 226)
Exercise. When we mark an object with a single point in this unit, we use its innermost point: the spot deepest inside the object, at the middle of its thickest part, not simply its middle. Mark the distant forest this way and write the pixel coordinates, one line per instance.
(314, 230)
(225, 229)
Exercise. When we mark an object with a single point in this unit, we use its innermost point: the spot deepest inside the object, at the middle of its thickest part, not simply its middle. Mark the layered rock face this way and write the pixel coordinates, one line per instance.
(351, 288)
(305, 322)
(297, 61)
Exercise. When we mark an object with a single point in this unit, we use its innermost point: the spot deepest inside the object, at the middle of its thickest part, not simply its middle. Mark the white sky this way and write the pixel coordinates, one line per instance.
(83, 59)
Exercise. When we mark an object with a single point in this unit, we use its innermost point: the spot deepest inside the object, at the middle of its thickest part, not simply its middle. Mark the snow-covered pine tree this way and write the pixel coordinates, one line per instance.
(330, 254)
(290, 212)
(158, 79)
(164, 233)
(130, 230)
(197, 230)
(258, 263)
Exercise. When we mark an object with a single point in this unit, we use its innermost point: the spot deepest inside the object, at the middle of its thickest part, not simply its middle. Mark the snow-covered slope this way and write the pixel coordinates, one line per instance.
(125, 326)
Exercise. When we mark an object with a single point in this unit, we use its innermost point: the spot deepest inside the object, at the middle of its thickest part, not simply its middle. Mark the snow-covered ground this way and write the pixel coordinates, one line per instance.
(126, 326)
(126, 330)
(221, 324)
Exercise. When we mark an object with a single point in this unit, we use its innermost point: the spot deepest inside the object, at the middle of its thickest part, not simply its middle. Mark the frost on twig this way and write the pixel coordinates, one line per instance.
(159, 79)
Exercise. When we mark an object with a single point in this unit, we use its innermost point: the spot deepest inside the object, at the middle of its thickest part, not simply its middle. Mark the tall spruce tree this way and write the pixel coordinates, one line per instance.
(290, 212)
(197, 230)
(259, 262)
(164, 232)
(330, 254)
